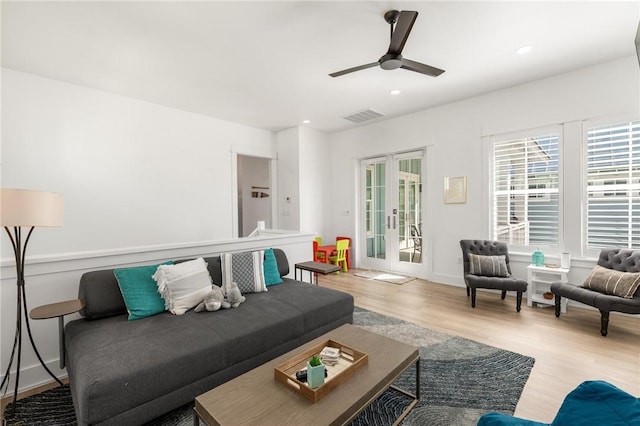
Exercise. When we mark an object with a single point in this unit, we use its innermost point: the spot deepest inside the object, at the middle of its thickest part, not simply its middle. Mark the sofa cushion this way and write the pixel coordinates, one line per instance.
(488, 266)
(101, 294)
(496, 283)
(604, 302)
(139, 291)
(316, 306)
(245, 269)
(609, 281)
(184, 285)
(115, 364)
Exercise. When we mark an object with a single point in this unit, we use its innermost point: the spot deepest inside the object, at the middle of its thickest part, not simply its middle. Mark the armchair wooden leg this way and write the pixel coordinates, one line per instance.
(504, 294)
(557, 304)
(473, 297)
(518, 300)
(468, 292)
(604, 322)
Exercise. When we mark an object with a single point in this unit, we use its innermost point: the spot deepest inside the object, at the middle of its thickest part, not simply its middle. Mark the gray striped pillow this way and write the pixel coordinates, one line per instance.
(489, 266)
(245, 269)
(610, 281)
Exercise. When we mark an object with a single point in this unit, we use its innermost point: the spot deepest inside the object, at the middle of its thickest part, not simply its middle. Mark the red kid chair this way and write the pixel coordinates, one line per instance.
(318, 256)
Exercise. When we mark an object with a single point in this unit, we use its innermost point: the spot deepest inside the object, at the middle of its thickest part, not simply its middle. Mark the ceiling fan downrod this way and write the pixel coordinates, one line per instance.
(391, 17)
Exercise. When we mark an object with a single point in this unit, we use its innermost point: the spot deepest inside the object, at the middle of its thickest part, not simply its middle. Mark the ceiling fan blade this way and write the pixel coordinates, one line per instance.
(358, 68)
(410, 65)
(401, 31)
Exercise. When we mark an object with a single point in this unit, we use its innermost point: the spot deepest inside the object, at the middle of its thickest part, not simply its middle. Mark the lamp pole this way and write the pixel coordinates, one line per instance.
(19, 250)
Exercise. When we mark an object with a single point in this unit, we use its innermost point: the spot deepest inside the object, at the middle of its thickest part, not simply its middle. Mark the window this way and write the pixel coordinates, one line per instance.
(525, 191)
(613, 186)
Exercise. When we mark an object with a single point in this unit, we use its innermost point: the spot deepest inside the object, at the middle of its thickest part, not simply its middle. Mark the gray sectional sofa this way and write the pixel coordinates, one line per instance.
(129, 372)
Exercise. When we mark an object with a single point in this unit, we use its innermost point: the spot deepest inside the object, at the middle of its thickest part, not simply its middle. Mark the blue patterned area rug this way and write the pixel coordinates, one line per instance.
(460, 380)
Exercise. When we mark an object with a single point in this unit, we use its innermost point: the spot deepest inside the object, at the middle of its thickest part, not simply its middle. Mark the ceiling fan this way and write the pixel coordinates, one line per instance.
(393, 59)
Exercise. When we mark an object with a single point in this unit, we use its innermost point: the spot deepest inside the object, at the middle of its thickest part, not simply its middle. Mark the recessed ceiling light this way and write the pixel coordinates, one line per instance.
(306, 121)
(395, 92)
(524, 50)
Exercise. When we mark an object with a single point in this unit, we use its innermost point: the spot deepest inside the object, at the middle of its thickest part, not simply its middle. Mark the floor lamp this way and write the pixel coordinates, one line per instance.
(24, 210)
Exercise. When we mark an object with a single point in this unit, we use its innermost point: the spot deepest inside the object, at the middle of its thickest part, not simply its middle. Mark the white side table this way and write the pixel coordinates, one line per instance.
(540, 279)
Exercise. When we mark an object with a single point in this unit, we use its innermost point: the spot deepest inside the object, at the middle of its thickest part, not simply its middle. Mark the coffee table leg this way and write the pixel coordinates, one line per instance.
(418, 379)
(197, 419)
(414, 397)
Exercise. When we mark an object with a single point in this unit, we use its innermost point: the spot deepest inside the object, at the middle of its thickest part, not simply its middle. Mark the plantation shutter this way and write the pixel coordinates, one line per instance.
(525, 191)
(613, 186)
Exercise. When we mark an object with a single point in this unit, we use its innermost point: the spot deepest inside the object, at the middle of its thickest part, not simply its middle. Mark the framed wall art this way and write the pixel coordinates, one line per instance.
(455, 190)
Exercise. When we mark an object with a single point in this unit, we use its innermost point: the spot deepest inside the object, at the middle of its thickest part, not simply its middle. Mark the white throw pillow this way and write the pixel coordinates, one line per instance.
(245, 269)
(183, 285)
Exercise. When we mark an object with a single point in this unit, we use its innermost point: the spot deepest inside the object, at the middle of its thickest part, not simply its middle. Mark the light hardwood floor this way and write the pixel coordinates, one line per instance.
(567, 350)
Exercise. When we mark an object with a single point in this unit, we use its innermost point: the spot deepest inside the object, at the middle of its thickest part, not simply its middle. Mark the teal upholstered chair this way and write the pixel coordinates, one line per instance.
(593, 403)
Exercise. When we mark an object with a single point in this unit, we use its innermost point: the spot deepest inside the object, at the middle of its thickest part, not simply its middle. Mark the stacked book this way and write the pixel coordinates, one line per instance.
(330, 355)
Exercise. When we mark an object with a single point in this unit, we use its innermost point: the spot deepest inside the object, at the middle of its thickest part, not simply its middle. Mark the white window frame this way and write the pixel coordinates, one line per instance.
(512, 136)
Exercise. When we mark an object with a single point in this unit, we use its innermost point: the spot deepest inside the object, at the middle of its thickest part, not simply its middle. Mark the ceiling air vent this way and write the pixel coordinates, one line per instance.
(365, 115)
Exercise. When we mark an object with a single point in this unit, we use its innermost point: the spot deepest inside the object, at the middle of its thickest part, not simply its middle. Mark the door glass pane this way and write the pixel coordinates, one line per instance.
(410, 210)
(375, 209)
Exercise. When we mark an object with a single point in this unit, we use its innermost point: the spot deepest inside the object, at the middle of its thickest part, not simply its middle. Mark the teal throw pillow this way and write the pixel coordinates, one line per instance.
(270, 266)
(139, 291)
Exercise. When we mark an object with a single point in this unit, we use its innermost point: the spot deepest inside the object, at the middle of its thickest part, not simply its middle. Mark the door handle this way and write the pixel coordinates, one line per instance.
(394, 221)
(388, 222)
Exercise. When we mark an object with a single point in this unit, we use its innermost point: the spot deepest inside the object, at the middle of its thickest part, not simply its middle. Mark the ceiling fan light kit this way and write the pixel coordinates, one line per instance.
(401, 24)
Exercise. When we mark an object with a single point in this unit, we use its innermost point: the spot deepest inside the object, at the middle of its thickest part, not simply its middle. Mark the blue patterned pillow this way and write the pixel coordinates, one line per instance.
(245, 269)
(271, 271)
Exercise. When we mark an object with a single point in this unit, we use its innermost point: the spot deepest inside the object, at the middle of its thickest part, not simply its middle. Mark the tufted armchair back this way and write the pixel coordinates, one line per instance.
(483, 248)
(623, 260)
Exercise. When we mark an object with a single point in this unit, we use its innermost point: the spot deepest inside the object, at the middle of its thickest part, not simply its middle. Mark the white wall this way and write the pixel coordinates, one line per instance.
(304, 179)
(316, 186)
(132, 173)
(288, 147)
(454, 136)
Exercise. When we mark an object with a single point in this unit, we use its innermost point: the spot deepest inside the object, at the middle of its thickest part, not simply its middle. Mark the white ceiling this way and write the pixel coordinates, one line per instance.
(266, 64)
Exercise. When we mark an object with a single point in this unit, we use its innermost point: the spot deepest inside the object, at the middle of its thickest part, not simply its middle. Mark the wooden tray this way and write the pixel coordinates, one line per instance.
(350, 360)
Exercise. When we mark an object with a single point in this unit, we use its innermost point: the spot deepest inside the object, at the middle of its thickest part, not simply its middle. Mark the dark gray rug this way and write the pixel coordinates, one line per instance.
(460, 380)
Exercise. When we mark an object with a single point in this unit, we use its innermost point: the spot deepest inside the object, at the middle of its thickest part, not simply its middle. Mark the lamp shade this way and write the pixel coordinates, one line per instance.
(22, 207)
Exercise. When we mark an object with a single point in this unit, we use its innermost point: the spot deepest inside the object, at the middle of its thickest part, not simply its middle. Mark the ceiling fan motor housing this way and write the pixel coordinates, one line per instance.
(390, 61)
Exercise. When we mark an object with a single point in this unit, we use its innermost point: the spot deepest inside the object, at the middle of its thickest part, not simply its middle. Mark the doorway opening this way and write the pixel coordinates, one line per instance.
(254, 193)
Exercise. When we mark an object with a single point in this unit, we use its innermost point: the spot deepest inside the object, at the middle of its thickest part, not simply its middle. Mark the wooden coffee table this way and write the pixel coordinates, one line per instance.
(256, 398)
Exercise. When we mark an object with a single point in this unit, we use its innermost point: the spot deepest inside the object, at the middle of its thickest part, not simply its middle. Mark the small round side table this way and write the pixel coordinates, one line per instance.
(59, 310)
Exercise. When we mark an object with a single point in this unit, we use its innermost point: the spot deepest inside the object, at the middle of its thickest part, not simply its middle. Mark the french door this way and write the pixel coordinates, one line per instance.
(391, 222)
